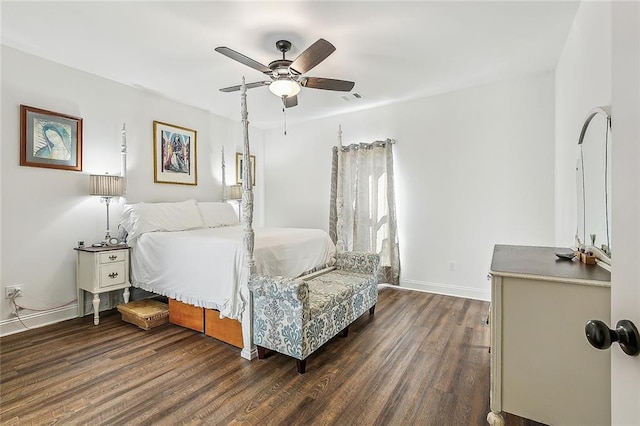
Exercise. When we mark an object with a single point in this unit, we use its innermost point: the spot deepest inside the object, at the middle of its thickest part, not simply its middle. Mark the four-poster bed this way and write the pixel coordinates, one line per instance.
(204, 267)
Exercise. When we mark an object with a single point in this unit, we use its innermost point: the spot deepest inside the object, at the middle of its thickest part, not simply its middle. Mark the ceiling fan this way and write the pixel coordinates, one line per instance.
(286, 75)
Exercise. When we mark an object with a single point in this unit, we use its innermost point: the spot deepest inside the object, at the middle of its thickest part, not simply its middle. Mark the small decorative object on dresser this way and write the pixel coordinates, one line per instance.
(588, 258)
(101, 270)
(50, 139)
(174, 154)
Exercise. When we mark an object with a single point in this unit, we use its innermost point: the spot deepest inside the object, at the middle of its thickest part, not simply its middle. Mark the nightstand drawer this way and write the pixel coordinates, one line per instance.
(111, 275)
(112, 256)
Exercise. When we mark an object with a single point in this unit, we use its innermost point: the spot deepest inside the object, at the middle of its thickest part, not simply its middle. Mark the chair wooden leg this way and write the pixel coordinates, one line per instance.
(261, 352)
(344, 332)
(372, 310)
(302, 365)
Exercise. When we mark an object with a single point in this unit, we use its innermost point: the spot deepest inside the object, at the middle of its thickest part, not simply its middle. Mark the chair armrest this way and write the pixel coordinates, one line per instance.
(293, 291)
(358, 262)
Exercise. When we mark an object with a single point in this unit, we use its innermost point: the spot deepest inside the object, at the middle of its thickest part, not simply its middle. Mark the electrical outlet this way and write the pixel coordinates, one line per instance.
(12, 291)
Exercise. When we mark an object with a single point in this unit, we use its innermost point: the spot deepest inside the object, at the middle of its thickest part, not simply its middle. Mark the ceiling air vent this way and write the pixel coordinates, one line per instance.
(351, 96)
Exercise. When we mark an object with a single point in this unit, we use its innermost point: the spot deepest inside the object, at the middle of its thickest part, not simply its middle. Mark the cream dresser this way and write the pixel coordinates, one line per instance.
(101, 270)
(542, 366)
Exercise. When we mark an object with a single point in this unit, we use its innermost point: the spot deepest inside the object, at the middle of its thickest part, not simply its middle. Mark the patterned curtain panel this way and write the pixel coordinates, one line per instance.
(369, 212)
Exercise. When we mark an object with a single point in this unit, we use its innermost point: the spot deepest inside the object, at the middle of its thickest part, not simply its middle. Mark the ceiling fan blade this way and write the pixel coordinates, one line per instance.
(327, 84)
(290, 101)
(243, 59)
(249, 86)
(316, 53)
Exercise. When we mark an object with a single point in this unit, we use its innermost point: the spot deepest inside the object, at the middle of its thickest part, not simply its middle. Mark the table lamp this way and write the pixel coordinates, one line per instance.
(107, 187)
(234, 192)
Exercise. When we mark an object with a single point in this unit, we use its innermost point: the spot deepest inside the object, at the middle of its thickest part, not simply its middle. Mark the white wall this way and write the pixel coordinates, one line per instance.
(45, 211)
(583, 81)
(474, 168)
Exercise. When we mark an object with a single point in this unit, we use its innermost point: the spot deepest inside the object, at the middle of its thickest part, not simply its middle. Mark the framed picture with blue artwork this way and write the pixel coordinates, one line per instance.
(174, 154)
(50, 139)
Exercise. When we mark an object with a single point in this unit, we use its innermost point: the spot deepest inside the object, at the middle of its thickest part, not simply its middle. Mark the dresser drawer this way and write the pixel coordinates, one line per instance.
(112, 256)
(112, 274)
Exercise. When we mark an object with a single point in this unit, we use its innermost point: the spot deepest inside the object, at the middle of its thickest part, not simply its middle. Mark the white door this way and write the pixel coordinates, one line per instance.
(625, 274)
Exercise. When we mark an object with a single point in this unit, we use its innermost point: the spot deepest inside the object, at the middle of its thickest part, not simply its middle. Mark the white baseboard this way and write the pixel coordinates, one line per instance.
(447, 289)
(37, 319)
(52, 316)
(40, 319)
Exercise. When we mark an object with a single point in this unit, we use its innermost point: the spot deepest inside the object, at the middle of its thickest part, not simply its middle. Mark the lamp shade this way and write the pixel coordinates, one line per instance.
(234, 192)
(286, 88)
(106, 185)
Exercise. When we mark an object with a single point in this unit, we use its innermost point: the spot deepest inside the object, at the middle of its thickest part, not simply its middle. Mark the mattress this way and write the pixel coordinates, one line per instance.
(204, 267)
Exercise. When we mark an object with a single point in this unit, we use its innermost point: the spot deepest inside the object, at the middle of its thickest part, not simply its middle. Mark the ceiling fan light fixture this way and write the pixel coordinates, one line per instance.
(286, 88)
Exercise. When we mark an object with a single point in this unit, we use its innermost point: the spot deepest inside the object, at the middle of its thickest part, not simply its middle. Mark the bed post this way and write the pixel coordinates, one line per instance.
(224, 179)
(123, 163)
(249, 350)
(339, 198)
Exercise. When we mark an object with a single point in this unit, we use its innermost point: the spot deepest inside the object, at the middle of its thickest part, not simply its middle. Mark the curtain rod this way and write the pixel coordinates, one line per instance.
(363, 145)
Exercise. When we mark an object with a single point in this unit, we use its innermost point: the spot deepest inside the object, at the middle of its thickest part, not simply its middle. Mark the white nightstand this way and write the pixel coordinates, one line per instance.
(101, 270)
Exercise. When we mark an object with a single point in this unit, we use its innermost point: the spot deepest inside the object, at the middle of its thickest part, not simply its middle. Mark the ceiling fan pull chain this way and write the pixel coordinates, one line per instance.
(284, 113)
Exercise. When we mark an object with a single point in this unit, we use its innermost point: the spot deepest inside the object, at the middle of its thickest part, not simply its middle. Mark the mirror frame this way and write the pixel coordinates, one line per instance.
(604, 110)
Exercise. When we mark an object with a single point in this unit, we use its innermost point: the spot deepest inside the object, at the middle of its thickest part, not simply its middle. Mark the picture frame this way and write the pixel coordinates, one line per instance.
(174, 154)
(239, 158)
(50, 139)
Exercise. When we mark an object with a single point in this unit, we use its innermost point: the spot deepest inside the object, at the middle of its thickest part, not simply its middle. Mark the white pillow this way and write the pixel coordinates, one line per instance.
(216, 214)
(139, 218)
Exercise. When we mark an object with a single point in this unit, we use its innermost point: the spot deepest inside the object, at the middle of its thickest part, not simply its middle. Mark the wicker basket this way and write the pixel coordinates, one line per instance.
(145, 313)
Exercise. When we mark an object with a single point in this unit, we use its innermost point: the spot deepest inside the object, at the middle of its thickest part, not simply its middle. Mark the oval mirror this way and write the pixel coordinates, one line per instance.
(594, 182)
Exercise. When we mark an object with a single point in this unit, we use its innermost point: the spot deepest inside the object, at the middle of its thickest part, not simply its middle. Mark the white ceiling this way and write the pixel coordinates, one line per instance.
(394, 51)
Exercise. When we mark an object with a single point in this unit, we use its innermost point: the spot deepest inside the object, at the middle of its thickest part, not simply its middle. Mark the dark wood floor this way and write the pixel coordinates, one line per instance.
(421, 359)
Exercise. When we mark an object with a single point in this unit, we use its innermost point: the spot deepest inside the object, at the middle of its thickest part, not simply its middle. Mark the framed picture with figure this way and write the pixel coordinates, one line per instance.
(239, 158)
(174, 154)
(50, 139)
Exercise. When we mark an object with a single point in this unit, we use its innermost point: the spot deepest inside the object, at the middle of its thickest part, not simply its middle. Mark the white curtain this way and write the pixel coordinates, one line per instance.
(369, 211)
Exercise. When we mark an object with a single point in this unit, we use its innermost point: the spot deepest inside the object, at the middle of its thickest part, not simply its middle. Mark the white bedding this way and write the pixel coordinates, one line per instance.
(204, 267)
